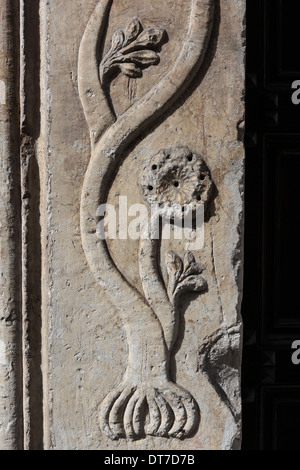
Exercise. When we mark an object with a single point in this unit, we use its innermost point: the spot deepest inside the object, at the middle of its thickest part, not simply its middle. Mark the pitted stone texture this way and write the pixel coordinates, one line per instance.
(177, 179)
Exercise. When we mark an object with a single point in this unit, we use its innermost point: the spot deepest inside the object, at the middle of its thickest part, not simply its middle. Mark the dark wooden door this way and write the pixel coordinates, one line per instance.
(271, 311)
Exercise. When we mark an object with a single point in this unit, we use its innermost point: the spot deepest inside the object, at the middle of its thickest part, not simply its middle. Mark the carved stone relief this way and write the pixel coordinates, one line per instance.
(138, 109)
(121, 230)
(147, 401)
(177, 180)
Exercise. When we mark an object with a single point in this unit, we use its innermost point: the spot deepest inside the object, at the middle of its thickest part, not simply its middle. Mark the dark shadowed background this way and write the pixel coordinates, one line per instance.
(271, 312)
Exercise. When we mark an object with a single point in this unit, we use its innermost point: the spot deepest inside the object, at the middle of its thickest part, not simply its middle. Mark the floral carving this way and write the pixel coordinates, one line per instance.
(132, 50)
(177, 179)
(184, 275)
(147, 400)
(176, 182)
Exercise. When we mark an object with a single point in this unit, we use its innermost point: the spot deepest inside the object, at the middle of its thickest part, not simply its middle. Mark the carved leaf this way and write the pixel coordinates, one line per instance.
(183, 275)
(134, 47)
(191, 267)
(151, 36)
(132, 30)
(117, 40)
(188, 260)
(145, 58)
(174, 268)
(174, 263)
(130, 70)
(192, 284)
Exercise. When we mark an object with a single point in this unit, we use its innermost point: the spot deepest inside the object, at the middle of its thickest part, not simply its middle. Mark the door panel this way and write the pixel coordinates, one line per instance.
(271, 382)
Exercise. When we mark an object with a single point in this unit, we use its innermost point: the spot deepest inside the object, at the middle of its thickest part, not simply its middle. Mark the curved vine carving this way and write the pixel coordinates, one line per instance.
(147, 401)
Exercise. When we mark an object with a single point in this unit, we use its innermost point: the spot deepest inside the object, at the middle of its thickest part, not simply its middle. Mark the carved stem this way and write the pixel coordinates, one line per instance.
(105, 158)
(98, 112)
(153, 286)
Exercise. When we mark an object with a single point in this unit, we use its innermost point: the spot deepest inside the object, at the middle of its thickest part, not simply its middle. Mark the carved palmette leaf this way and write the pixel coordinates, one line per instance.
(131, 50)
(130, 70)
(145, 58)
(132, 30)
(183, 275)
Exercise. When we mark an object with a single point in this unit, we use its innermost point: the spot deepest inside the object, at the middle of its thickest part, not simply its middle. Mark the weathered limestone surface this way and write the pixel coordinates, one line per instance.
(10, 233)
(140, 339)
